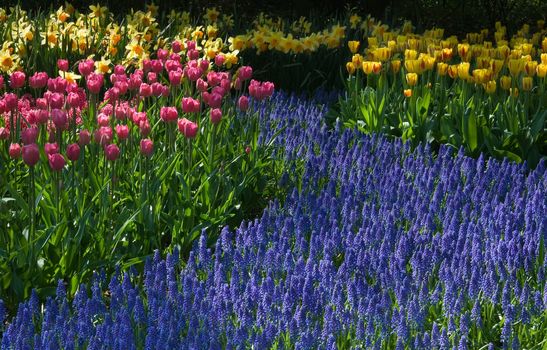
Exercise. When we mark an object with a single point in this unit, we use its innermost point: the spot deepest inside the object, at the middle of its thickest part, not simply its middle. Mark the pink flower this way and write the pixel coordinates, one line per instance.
(176, 46)
(10, 99)
(245, 72)
(112, 152)
(216, 115)
(190, 105)
(4, 133)
(135, 81)
(56, 161)
(188, 128)
(162, 54)
(147, 147)
(119, 69)
(84, 137)
(175, 77)
(157, 89)
(157, 66)
(59, 118)
(86, 67)
(62, 65)
(168, 114)
(73, 152)
(94, 82)
(122, 131)
(194, 73)
(144, 127)
(103, 135)
(38, 80)
(73, 100)
(17, 80)
(29, 135)
(202, 85)
(172, 65)
(204, 65)
(42, 116)
(14, 150)
(214, 100)
(260, 90)
(219, 60)
(152, 77)
(31, 154)
(51, 148)
(145, 90)
(243, 103)
(56, 100)
(190, 45)
(121, 112)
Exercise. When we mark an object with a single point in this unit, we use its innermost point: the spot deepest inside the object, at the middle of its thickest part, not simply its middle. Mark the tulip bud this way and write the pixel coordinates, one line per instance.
(84, 137)
(216, 116)
(243, 103)
(147, 147)
(73, 152)
(14, 150)
(51, 148)
(17, 80)
(122, 131)
(31, 154)
(112, 152)
(56, 161)
(62, 65)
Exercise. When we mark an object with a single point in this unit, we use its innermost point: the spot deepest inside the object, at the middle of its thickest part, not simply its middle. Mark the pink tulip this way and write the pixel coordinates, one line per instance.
(17, 80)
(38, 80)
(103, 135)
(86, 67)
(243, 103)
(175, 77)
(122, 131)
(31, 154)
(219, 60)
(147, 147)
(84, 137)
(201, 85)
(144, 127)
(4, 133)
(135, 81)
(188, 128)
(176, 46)
(29, 135)
(194, 73)
(112, 152)
(10, 99)
(56, 161)
(168, 114)
(157, 66)
(152, 77)
(62, 65)
(190, 105)
(245, 72)
(157, 89)
(59, 118)
(162, 54)
(73, 100)
(119, 69)
(145, 90)
(73, 152)
(216, 116)
(51, 148)
(14, 150)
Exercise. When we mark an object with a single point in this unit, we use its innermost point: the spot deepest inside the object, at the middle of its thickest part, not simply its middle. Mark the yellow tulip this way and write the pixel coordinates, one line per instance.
(411, 79)
(463, 51)
(395, 66)
(407, 92)
(350, 67)
(544, 44)
(353, 46)
(515, 66)
(410, 54)
(447, 54)
(483, 62)
(414, 66)
(453, 71)
(382, 54)
(481, 76)
(544, 58)
(442, 68)
(505, 82)
(372, 41)
(463, 70)
(496, 66)
(527, 83)
(541, 70)
(530, 68)
(490, 87)
(357, 60)
(514, 92)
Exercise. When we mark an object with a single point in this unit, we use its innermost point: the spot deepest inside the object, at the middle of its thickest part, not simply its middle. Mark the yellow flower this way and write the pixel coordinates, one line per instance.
(102, 66)
(442, 68)
(153, 9)
(481, 76)
(350, 67)
(237, 43)
(62, 16)
(463, 51)
(515, 66)
(530, 68)
(211, 15)
(505, 82)
(371, 67)
(372, 42)
(357, 60)
(496, 66)
(395, 66)
(6, 60)
(354, 20)
(527, 83)
(382, 54)
(69, 76)
(353, 46)
(541, 70)
(97, 11)
(490, 87)
(411, 79)
(231, 58)
(414, 66)
(410, 54)
(463, 70)
(407, 93)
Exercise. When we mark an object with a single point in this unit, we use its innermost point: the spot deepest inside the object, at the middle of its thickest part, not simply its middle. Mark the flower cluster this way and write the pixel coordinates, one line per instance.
(383, 247)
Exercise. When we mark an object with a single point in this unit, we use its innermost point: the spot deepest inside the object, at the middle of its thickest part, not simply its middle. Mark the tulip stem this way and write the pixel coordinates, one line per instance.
(32, 214)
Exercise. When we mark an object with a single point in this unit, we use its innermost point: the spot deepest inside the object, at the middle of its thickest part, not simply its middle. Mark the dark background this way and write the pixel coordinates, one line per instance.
(456, 16)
